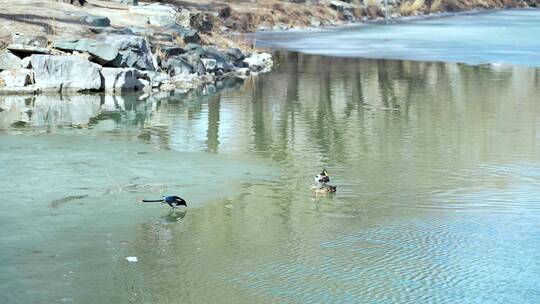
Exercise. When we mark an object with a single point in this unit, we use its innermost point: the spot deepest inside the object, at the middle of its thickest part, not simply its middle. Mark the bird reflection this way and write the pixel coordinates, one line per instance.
(174, 216)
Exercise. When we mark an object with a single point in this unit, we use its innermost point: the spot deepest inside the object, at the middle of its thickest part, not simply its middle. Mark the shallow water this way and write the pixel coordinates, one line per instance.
(437, 169)
(506, 36)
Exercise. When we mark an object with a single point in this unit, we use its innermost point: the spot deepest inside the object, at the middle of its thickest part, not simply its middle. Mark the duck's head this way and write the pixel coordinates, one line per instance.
(322, 177)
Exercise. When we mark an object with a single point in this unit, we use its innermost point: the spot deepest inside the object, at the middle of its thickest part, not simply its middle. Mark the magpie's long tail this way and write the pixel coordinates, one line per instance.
(152, 201)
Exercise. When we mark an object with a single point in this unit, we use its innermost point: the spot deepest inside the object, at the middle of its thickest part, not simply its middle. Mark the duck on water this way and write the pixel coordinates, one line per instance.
(321, 181)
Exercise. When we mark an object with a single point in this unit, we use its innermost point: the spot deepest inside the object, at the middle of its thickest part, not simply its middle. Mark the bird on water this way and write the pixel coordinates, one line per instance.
(321, 181)
(173, 201)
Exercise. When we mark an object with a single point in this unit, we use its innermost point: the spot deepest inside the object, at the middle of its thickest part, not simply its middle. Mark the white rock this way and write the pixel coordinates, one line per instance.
(9, 61)
(26, 63)
(209, 64)
(119, 79)
(156, 14)
(259, 62)
(68, 73)
(16, 78)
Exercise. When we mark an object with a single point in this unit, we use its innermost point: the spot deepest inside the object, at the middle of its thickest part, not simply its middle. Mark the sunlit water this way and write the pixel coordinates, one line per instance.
(436, 164)
(507, 36)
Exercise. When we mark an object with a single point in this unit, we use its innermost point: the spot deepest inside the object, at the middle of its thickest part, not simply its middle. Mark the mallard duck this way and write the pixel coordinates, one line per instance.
(321, 181)
(173, 201)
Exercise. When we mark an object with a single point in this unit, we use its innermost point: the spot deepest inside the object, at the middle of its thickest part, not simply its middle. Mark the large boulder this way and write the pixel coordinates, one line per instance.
(101, 53)
(9, 61)
(133, 52)
(119, 79)
(69, 73)
(156, 13)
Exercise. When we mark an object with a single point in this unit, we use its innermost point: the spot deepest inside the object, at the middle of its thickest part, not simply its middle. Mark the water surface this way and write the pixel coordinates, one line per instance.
(437, 168)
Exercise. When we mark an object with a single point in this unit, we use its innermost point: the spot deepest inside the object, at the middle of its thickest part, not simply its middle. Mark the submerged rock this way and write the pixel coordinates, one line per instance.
(101, 52)
(9, 61)
(119, 79)
(69, 73)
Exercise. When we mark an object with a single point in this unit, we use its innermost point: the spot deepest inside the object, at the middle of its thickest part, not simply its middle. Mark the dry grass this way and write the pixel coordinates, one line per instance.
(408, 8)
(435, 6)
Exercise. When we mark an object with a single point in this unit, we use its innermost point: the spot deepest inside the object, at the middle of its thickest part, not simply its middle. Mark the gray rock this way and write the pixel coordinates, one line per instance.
(209, 64)
(187, 35)
(178, 66)
(169, 51)
(235, 56)
(195, 61)
(119, 79)
(340, 6)
(348, 16)
(37, 41)
(190, 47)
(156, 14)
(70, 73)
(222, 63)
(102, 53)
(133, 52)
(16, 78)
(9, 61)
(97, 20)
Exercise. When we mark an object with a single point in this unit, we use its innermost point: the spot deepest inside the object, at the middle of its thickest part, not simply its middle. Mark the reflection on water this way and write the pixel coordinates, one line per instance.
(436, 166)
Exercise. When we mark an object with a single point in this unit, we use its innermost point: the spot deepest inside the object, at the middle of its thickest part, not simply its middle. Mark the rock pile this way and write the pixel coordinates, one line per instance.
(166, 56)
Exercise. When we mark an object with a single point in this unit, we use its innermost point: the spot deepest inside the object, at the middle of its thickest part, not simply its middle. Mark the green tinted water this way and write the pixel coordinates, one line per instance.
(437, 169)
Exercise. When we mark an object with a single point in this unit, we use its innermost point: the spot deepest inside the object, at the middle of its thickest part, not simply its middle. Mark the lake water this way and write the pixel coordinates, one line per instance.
(506, 36)
(436, 164)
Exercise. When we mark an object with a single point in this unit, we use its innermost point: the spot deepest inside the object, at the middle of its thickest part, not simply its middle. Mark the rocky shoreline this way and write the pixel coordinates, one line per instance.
(168, 56)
